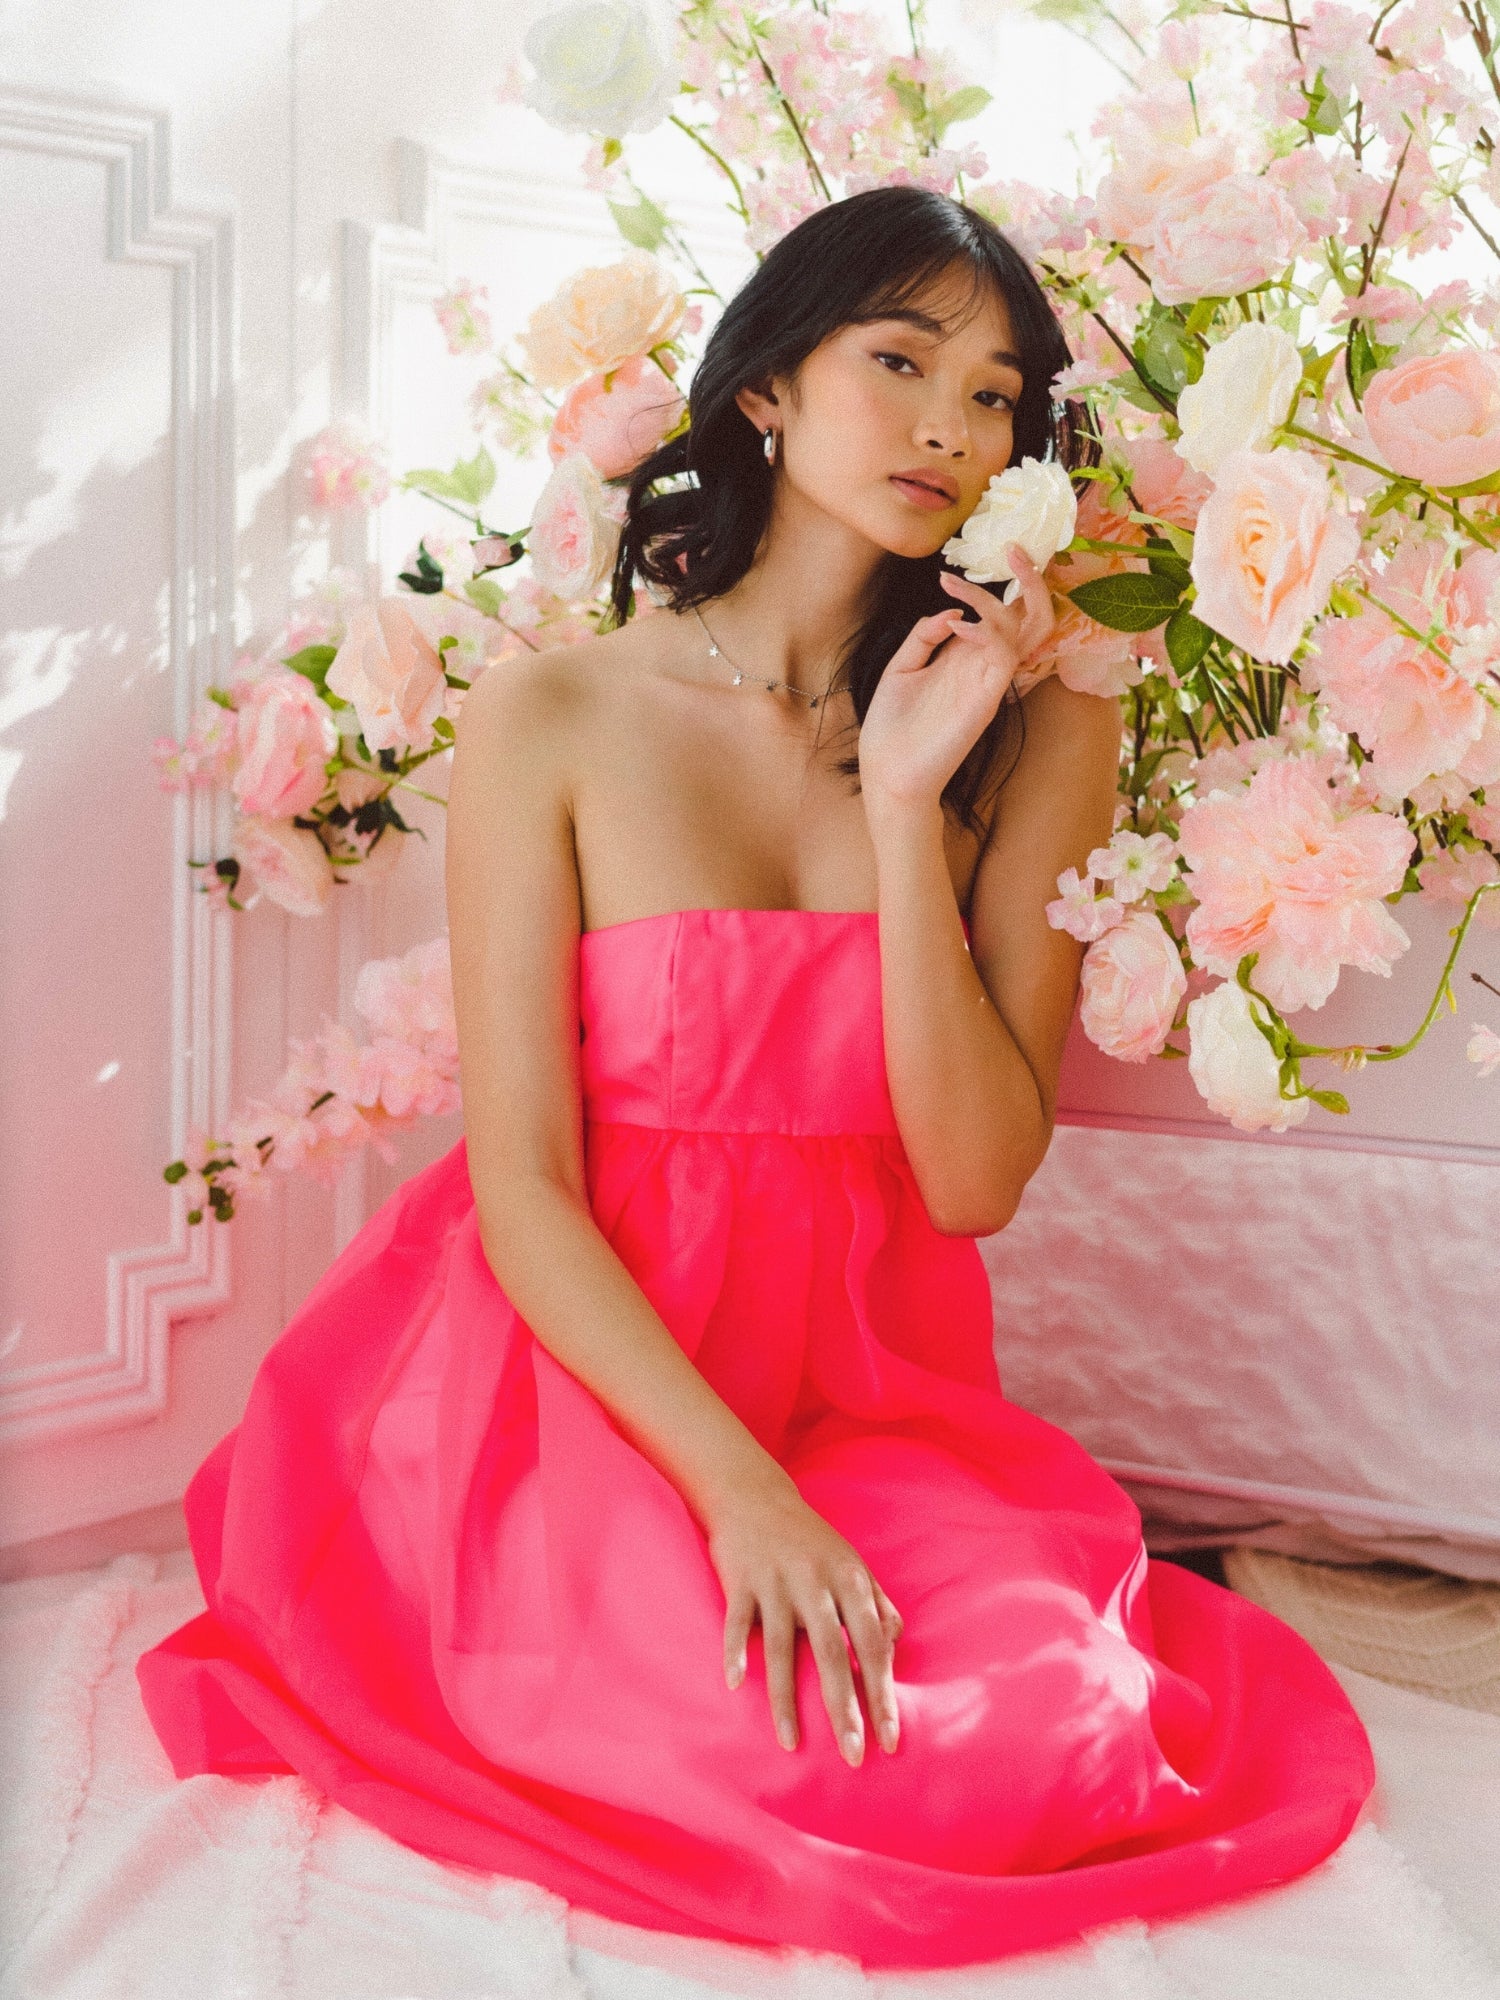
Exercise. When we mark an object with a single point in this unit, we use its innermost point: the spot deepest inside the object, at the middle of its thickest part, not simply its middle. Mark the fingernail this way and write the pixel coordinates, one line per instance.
(786, 1736)
(889, 1735)
(854, 1746)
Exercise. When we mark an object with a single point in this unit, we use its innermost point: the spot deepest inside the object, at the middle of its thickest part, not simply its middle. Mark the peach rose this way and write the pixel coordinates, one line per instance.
(284, 736)
(1437, 416)
(603, 315)
(1267, 549)
(392, 674)
(1223, 240)
(1132, 985)
(615, 420)
(575, 531)
(289, 864)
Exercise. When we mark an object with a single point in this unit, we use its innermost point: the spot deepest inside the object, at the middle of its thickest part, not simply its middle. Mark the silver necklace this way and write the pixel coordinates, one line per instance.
(716, 652)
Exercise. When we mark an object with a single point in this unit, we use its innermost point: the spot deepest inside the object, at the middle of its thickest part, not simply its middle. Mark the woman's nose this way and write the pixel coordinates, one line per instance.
(945, 431)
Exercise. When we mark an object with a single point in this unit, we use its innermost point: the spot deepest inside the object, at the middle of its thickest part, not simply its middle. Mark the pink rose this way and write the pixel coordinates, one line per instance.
(284, 738)
(1132, 984)
(575, 531)
(1223, 240)
(1164, 483)
(1453, 876)
(289, 864)
(615, 420)
(1267, 549)
(1086, 656)
(393, 675)
(1276, 870)
(1437, 416)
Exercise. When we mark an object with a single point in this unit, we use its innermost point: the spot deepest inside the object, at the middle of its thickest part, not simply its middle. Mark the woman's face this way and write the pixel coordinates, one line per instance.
(895, 428)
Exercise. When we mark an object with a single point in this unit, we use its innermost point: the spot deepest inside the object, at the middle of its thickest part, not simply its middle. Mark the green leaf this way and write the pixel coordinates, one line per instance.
(427, 578)
(469, 482)
(1168, 356)
(313, 662)
(174, 1173)
(644, 224)
(1325, 113)
(1331, 1100)
(1165, 561)
(484, 595)
(442, 729)
(910, 96)
(962, 105)
(222, 697)
(1129, 603)
(1188, 639)
(611, 151)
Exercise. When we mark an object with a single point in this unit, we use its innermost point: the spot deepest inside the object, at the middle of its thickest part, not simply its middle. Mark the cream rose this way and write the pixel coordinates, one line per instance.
(1437, 417)
(1244, 392)
(1267, 549)
(393, 675)
(289, 864)
(284, 737)
(602, 316)
(1032, 503)
(601, 66)
(1226, 239)
(1132, 985)
(575, 531)
(1234, 1066)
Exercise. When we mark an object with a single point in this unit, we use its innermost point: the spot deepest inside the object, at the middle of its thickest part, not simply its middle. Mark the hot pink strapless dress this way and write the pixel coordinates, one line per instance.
(443, 1586)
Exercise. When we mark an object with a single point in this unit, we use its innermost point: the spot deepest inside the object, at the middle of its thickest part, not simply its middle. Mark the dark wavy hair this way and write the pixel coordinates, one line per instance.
(698, 507)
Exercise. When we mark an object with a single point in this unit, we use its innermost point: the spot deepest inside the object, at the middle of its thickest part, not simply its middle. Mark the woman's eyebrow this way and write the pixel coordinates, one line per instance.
(925, 323)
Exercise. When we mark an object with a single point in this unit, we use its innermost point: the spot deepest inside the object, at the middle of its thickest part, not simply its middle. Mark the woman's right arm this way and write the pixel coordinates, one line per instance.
(514, 920)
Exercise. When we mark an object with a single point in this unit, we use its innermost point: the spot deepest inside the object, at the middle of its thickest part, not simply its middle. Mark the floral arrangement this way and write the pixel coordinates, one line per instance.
(1286, 565)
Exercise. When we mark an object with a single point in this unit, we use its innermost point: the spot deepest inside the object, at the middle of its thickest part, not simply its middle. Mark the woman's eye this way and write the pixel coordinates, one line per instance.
(896, 362)
(1000, 400)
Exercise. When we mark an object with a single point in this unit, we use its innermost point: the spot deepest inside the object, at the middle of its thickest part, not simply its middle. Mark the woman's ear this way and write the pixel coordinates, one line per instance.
(759, 403)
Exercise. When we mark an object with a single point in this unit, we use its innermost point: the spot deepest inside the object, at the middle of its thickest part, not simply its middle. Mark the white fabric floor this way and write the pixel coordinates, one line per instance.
(120, 1884)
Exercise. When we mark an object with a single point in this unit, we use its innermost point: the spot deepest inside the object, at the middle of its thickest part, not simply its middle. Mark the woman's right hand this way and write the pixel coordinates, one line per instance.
(780, 1561)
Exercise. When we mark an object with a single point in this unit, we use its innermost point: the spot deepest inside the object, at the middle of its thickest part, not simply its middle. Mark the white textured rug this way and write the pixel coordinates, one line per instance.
(120, 1884)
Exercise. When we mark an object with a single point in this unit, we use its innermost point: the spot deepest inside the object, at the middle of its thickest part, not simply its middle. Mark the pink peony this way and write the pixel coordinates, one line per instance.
(1277, 871)
(1150, 175)
(1267, 550)
(288, 864)
(616, 420)
(285, 737)
(1413, 713)
(1165, 484)
(392, 674)
(1437, 416)
(1224, 240)
(1132, 986)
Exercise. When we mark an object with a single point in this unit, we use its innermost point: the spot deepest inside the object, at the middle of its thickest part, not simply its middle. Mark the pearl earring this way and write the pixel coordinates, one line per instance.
(768, 444)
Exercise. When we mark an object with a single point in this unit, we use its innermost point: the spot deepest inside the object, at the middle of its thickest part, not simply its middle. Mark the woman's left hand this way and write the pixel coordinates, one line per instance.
(944, 684)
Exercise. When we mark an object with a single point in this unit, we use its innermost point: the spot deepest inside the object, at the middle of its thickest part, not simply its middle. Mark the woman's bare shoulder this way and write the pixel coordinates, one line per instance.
(1058, 714)
(520, 703)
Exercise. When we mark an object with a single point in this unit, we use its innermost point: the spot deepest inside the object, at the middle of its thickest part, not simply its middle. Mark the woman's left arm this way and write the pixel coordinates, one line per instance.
(974, 1033)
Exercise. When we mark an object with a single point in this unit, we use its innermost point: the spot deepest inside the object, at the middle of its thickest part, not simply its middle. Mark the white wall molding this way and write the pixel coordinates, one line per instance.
(124, 1379)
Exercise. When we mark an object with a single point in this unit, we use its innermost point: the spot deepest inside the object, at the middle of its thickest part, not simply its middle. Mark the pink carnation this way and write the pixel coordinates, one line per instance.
(1278, 872)
(1132, 986)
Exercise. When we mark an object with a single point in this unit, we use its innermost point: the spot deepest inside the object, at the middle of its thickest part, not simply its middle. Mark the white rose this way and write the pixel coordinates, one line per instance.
(601, 66)
(1244, 392)
(289, 864)
(1234, 1066)
(600, 317)
(1032, 503)
(575, 531)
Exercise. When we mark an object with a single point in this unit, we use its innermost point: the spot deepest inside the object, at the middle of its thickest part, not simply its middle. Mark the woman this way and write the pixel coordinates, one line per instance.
(686, 1349)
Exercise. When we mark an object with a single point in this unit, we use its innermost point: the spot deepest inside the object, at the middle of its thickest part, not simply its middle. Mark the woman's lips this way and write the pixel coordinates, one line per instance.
(924, 491)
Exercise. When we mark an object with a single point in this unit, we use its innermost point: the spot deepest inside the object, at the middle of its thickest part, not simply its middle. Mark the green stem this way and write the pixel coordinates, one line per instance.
(784, 103)
(1385, 1051)
(719, 161)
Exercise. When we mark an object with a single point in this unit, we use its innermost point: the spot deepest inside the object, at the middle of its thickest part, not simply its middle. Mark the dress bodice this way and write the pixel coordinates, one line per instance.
(735, 1020)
